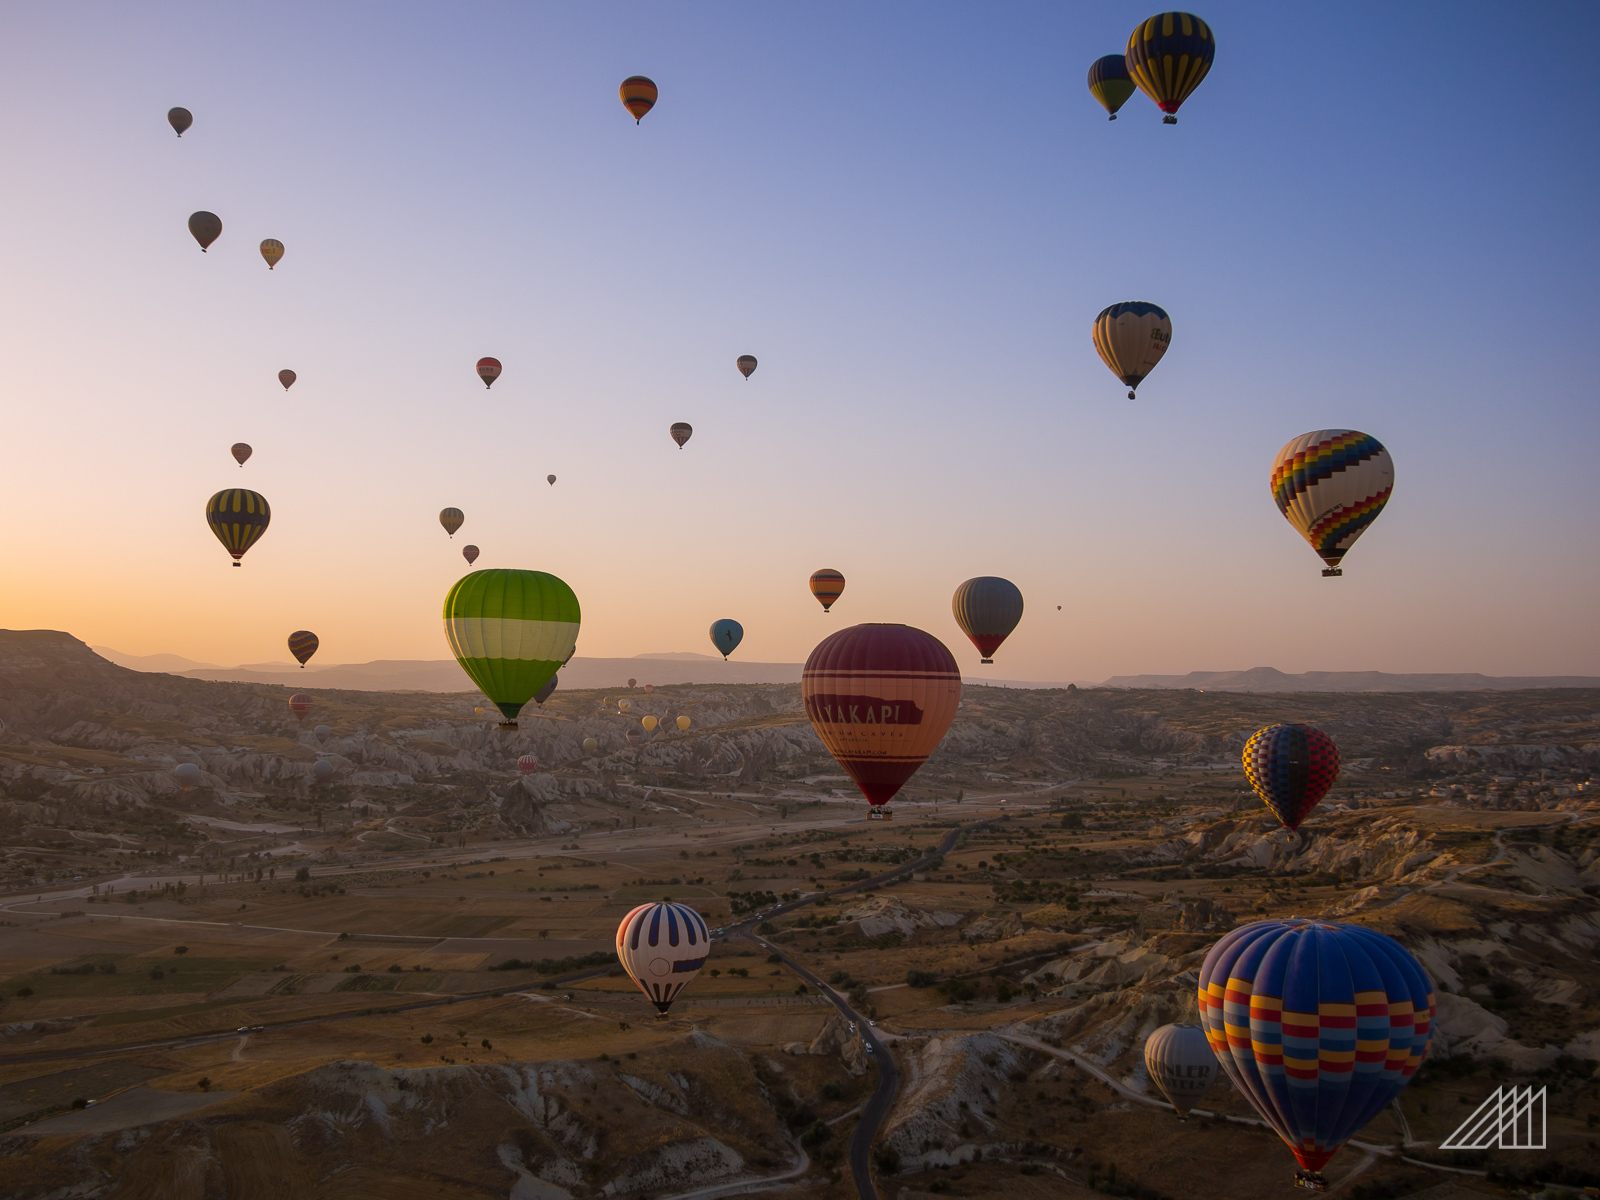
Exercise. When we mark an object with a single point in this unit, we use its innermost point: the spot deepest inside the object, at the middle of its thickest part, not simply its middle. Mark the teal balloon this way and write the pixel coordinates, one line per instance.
(726, 635)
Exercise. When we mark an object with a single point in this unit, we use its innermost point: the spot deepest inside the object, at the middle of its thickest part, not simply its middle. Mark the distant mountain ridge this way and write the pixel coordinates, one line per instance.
(1270, 679)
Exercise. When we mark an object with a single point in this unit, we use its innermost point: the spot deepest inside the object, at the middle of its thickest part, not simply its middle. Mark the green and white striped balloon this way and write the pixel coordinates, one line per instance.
(511, 631)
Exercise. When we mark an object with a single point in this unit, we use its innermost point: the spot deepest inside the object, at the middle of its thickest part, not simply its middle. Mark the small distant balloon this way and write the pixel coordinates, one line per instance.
(624, 705)
(633, 683)
(650, 723)
(987, 608)
(1110, 83)
(683, 722)
(321, 771)
(287, 378)
(726, 635)
(272, 251)
(639, 96)
(681, 432)
(187, 775)
(303, 644)
(550, 479)
(180, 119)
(323, 732)
(299, 705)
(827, 585)
(206, 227)
(1130, 338)
(470, 553)
(238, 517)
(528, 764)
(488, 371)
(451, 519)
(746, 364)
(241, 452)
(590, 745)
(648, 688)
(548, 690)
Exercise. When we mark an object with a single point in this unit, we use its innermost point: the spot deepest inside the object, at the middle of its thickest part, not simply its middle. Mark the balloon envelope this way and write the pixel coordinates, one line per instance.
(662, 947)
(180, 119)
(1291, 767)
(1130, 338)
(987, 609)
(1110, 83)
(1330, 485)
(746, 364)
(322, 770)
(650, 723)
(624, 705)
(451, 519)
(590, 745)
(681, 432)
(726, 635)
(881, 698)
(550, 479)
(1319, 1025)
(303, 644)
(488, 371)
(548, 690)
(511, 630)
(287, 378)
(470, 553)
(1168, 56)
(187, 775)
(1179, 1062)
(639, 96)
(238, 517)
(206, 227)
(323, 731)
(827, 585)
(299, 705)
(683, 722)
(241, 452)
(528, 764)
(272, 251)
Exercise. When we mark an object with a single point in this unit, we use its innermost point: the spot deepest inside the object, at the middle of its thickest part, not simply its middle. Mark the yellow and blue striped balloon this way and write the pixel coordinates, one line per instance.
(1168, 56)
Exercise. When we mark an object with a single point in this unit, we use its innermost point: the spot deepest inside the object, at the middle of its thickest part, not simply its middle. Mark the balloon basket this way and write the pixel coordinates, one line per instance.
(1332, 572)
(1311, 1181)
(1169, 119)
(508, 725)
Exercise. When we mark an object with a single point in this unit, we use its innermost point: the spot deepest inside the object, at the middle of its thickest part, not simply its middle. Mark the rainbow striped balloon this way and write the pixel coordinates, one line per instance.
(1331, 484)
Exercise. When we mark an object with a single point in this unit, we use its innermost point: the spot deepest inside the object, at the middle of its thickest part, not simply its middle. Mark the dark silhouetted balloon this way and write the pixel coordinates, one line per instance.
(180, 119)
(451, 519)
(746, 364)
(303, 644)
(238, 517)
(470, 553)
(987, 609)
(726, 635)
(287, 378)
(241, 452)
(681, 432)
(488, 371)
(1110, 83)
(206, 227)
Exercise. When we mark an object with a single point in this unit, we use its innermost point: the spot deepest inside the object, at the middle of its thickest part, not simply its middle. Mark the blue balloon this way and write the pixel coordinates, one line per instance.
(726, 635)
(1318, 1024)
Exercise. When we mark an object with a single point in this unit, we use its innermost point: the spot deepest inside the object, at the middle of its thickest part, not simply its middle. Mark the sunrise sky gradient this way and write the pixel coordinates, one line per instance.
(910, 213)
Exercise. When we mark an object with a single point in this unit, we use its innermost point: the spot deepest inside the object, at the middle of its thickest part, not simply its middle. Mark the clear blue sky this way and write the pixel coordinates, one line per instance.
(1374, 216)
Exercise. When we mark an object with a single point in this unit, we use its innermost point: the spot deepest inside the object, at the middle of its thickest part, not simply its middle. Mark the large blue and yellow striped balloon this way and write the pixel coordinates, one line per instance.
(1318, 1024)
(1168, 56)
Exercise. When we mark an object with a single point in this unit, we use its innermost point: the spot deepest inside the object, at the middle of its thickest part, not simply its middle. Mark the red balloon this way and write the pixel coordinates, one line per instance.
(527, 764)
(299, 705)
(488, 371)
(881, 698)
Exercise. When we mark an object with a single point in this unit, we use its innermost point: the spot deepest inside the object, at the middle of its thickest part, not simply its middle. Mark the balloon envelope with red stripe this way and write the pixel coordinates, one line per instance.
(1319, 1025)
(1331, 484)
(1291, 767)
(827, 585)
(303, 644)
(662, 947)
(299, 705)
(488, 371)
(881, 698)
(987, 608)
(528, 764)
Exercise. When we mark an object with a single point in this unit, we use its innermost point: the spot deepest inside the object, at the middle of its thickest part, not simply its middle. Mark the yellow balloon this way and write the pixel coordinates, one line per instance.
(272, 251)
(649, 724)
(683, 724)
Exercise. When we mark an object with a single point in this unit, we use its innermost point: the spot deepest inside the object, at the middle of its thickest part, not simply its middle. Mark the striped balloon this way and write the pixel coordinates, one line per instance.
(827, 585)
(1330, 485)
(511, 631)
(881, 698)
(528, 764)
(987, 608)
(662, 947)
(1179, 1061)
(681, 432)
(489, 370)
(1319, 1025)
(272, 252)
(1110, 83)
(639, 95)
(1291, 767)
(1130, 338)
(241, 452)
(452, 519)
(238, 517)
(470, 553)
(1168, 56)
(746, 364)
(299, 705)
(303, 644)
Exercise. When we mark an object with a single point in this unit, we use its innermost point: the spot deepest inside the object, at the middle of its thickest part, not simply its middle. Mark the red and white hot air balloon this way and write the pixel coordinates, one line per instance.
(662, 947)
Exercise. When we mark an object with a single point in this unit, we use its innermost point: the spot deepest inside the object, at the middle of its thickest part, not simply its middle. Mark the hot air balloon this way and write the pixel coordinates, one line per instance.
(590, 745)
(206, 227)
(1291, 767)
(299, 705)
(681, 432)
(187, 775)
(550, 479)
(1130, 338)
(638, 96)
(180, 119)
(881, 698)
(1168, 55)
(726, 635)
(548, 690)
(323, 732)
(322, 770)
(451, 519)
(648, 688)
(272, 251)
(303, 644)
(1318, 1024)
(241, 452)
(746, 364)
(470, 553)
(238, 517)
(683, 722)
(662, 947)
(987, 609)
(1179, 1061)
(624, 705)
(511, 630)
(528, 764)
(1110, 83)
(287, 378)
(650, 723)
(827, 585)
(488, 371)
(1330, 485)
